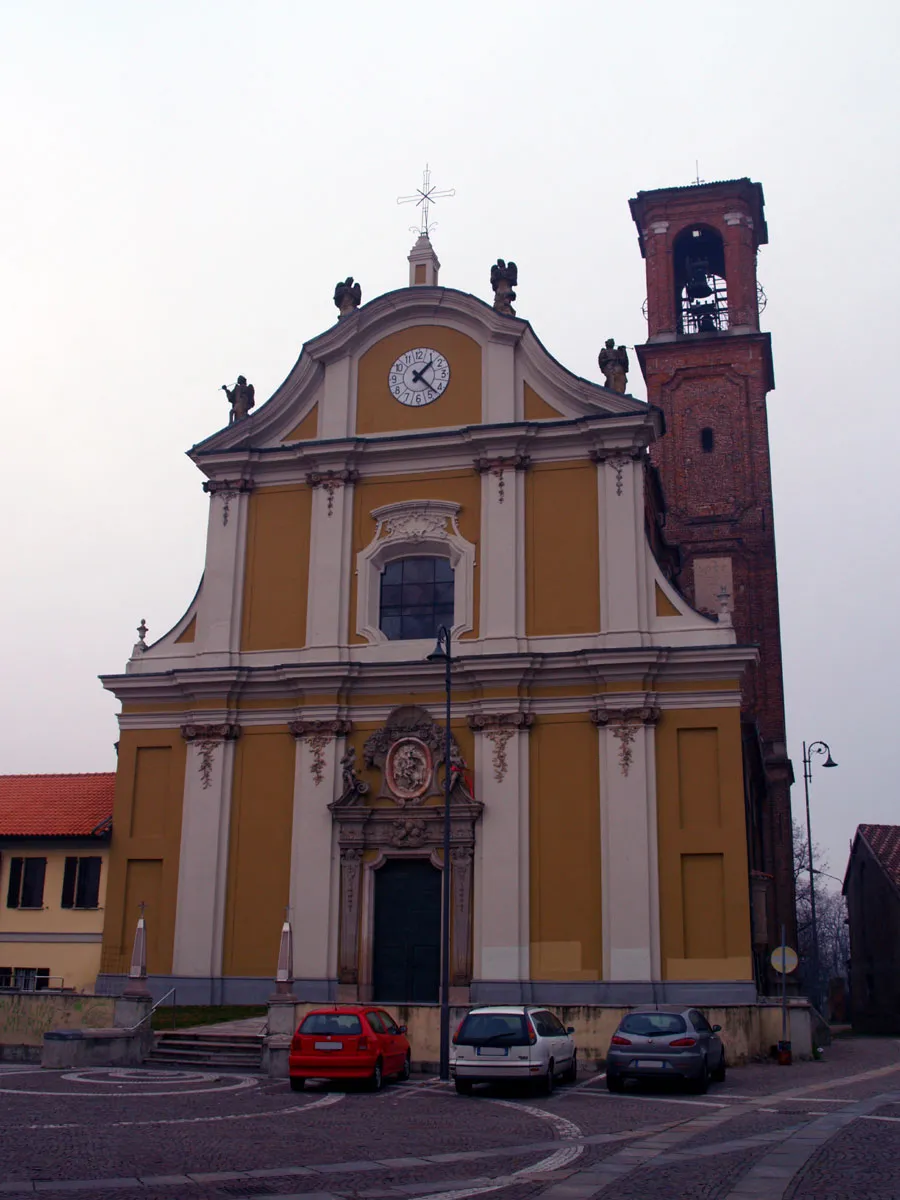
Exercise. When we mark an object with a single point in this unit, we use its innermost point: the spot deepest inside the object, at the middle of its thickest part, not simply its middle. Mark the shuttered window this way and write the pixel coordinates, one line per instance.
(81, 883)
(26, 883)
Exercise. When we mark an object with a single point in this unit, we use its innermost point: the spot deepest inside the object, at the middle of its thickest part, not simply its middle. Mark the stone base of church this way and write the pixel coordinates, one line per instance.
(751, 1025)
(599, 992)
(213, 990)
(255, 990)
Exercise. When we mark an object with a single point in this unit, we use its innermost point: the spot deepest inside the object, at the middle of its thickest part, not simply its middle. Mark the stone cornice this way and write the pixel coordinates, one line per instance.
(196, 689)
(597, 433)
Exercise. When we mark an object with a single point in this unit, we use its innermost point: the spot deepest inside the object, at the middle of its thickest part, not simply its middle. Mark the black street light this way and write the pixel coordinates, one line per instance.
(808, 752)
(442, 651)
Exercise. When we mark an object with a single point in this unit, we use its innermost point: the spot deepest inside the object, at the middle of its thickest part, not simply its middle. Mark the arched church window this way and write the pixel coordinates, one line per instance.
(416, 597)
(701, 295)
(707, 440)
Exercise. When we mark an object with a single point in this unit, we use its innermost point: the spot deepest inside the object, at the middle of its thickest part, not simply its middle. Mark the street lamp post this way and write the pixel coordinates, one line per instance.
(808, 752)
(442, 651)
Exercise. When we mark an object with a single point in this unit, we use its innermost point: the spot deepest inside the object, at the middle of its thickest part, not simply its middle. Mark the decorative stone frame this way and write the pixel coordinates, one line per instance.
(398, 832)
(414, 527)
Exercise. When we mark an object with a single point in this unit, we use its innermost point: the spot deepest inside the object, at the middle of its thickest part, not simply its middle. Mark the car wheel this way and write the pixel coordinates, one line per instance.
(700, 1085)
(546, 1083)
(614, 1082)
(571, 1072)
(376, 1079)
(405, 1073)
(297, 1085)
(718, 1075)
(464, 1087)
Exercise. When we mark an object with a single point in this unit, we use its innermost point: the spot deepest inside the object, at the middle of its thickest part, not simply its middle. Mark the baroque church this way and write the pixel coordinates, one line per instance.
(619, 786)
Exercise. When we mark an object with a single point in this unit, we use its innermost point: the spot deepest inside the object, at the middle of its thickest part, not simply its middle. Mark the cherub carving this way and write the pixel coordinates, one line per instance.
(613, 362)
(504, 277)
(347, 297)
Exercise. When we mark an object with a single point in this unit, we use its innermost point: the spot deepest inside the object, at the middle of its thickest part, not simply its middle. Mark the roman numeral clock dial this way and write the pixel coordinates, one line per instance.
(419, 377)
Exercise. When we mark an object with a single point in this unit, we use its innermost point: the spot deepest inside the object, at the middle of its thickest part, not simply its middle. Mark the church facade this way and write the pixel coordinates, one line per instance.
(427, 463)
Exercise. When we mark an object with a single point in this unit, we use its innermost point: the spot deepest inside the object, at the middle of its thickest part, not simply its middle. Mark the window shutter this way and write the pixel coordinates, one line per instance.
(15, 883)
(88, 893)
(68, 888)
(33, 883)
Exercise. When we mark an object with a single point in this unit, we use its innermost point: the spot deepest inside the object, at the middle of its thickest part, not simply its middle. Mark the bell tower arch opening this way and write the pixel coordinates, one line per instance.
(701, 293)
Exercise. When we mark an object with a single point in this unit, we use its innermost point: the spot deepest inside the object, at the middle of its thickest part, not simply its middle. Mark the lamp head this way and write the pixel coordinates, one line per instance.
(829, 761)
(441, 649)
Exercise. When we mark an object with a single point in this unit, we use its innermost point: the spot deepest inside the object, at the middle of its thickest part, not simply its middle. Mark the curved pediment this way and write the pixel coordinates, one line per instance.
(499, 373)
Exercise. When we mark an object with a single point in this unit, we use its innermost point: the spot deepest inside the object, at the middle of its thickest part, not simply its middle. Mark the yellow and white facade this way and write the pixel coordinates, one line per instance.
(599, 851)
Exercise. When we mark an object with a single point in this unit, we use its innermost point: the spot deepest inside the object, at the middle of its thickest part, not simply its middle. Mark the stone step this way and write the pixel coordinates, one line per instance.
(233, 1039)
(219, 1061)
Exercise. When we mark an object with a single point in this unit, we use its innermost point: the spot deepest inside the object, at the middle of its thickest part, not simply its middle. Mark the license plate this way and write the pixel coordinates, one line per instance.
(329, 1045)
(492, 1051)
(654, 1064)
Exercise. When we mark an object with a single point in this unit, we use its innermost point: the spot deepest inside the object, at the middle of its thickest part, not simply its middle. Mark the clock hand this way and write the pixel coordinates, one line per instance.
(417, 375)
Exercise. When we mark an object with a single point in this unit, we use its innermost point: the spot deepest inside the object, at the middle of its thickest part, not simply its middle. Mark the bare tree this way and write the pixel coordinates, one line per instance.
(831, 912)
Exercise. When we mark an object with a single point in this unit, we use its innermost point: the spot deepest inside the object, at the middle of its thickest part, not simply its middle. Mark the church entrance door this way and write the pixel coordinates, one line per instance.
(407, 932)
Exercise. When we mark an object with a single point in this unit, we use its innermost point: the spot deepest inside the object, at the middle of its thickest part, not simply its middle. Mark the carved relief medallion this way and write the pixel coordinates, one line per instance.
(409, 768)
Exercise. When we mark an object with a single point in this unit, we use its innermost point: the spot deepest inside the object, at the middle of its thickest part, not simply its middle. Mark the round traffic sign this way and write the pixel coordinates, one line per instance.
(784, 959)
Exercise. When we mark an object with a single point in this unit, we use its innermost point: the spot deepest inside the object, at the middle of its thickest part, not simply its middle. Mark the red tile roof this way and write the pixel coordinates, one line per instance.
(56, 805)
(884, 842)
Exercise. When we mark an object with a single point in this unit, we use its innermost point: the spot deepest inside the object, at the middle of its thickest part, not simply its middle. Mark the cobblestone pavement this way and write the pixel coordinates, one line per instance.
(819, 1130)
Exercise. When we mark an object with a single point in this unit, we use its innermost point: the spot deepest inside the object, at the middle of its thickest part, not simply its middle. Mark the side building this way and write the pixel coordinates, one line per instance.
(427, 463)
(872, 892)
(54, 847)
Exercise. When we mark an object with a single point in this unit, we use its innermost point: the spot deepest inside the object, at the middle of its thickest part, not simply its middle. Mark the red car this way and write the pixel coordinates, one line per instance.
(348, 1041)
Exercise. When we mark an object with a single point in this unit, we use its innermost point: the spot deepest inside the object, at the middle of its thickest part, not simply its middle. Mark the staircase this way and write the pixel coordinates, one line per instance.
(201, 1049)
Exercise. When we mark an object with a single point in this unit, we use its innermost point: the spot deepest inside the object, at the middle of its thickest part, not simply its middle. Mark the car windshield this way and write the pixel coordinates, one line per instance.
(501, 1029)
(331, 1022)
(653, 1024)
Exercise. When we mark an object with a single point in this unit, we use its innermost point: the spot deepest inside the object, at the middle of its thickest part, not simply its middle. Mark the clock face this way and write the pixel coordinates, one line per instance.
(419, 377)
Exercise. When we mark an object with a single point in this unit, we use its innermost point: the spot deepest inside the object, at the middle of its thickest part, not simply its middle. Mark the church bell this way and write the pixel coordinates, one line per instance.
(697, 286)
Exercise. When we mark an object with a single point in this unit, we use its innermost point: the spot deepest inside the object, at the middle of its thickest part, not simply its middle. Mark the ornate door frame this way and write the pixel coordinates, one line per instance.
(412, 829)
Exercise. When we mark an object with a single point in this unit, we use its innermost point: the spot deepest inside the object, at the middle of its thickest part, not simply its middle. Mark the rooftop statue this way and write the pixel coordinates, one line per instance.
(504, 277)
(241, 399)
(347, 297)
(613, 362)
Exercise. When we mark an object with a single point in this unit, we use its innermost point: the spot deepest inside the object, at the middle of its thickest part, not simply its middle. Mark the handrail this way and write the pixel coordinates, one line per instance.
(133, 1028)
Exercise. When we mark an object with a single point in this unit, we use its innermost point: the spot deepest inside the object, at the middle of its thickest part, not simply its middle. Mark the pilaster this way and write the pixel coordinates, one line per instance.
(329, 559)
(219, 610)
(628, 843)
(203, 859)
(502, 865)
(313, 883)
(623, 601)
(502, 556)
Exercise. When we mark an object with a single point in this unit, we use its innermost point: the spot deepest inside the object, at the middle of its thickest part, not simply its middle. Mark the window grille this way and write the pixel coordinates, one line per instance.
(416, 597)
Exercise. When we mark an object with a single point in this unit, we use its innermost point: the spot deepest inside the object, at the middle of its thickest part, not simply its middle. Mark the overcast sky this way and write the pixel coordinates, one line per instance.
(184, 182)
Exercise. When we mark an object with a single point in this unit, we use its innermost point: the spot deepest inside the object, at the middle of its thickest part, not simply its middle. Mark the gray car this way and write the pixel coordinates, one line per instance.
(661, 1043)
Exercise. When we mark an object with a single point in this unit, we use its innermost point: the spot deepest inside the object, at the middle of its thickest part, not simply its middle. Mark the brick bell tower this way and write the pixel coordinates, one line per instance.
(709, 368)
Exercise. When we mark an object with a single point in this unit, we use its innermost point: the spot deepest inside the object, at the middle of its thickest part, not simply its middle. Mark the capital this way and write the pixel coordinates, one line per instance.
(211, 733)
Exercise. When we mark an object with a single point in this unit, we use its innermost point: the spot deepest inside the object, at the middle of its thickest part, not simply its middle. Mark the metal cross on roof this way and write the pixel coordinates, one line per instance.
(425, 196)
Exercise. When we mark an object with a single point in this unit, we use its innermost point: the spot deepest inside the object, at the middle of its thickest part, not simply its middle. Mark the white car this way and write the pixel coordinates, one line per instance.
(512, 1043)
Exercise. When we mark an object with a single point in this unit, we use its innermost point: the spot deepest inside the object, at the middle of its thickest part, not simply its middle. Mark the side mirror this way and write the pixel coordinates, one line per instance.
(717, 1028)
(401, 1029)
(570, 1029)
